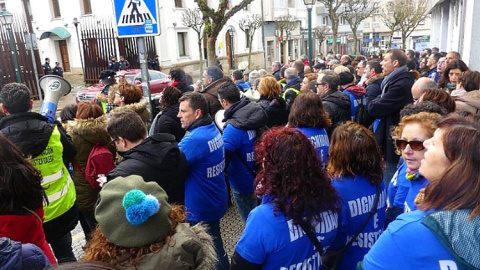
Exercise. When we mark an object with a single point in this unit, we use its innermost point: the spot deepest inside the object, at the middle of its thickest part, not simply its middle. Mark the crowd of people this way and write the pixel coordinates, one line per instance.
(355, 163)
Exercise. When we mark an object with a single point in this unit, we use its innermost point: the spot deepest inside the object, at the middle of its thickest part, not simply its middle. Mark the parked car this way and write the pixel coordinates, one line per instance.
(158, 82)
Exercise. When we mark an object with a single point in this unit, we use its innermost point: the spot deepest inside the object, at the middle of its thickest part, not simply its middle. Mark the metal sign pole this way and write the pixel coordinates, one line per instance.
(142, 56)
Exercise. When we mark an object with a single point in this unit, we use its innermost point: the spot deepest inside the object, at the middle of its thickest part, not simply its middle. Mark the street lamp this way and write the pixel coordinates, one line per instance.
(76, 23)
(6, 18)
(309, 4)
(231, 31)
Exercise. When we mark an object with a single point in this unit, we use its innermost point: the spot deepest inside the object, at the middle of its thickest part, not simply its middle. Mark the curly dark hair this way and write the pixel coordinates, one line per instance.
(307, 111)
(177, 74)
(20, 182)
(170, 96)
(454, 64)
(354, 152)
(99, 248)
(292, 174)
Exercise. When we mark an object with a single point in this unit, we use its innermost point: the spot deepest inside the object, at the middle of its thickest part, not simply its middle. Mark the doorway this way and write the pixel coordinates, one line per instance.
(64, 54)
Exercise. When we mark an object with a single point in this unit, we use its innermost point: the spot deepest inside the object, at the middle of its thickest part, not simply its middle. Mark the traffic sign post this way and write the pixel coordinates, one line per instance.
(139, 18)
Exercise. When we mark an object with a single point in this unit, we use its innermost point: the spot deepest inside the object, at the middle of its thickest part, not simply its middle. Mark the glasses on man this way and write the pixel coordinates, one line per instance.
(112, 142)
(415, 145)
(318, 84)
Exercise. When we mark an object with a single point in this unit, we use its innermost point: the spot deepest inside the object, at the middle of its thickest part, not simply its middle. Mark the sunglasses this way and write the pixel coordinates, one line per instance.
(415, 145)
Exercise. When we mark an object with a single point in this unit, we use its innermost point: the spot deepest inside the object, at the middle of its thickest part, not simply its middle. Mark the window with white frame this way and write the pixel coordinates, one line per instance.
(291, 3)
(376, 24)
(342, 20)
(86, 7)
(366, 24)
(56, 9)
(182, 41)
(178, 3)
(325, 20)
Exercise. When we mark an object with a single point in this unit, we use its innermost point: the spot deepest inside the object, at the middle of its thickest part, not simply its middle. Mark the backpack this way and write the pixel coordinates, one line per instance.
(99, 161)
(358, 109)
(362, 116)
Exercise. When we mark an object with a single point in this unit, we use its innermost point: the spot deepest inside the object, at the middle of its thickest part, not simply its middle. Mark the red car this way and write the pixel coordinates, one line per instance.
(158, 82)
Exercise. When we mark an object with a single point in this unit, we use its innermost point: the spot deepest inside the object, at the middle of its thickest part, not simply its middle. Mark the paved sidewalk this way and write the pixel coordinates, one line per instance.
(231, 227)
(76, 81)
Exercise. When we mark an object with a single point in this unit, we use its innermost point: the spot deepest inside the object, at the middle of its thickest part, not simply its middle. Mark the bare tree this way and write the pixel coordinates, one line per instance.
(356, 11)
(333, 7)
(249, 25)
(320, 33)
(392, 16)
(285, 24)
(214, 21)
(193, 18)
(415, 11)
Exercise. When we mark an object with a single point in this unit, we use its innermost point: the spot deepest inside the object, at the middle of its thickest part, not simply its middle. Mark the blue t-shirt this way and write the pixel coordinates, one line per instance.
(358, 196)
(413, 191)
(205, 188)
(408, 244)
(398, 187)
(276, 243)
(319, 139)
(242, 141)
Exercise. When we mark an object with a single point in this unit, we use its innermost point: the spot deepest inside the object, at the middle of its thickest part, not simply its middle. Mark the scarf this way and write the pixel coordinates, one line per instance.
(391, 76)
(412, 175)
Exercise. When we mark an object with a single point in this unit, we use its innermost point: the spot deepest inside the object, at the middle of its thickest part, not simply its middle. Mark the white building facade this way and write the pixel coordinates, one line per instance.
(176, 46)
(453, 24)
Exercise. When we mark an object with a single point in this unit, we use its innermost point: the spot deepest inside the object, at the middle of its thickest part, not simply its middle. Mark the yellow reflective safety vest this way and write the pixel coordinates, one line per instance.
(290, 89)
(104, 106)
(56, 181)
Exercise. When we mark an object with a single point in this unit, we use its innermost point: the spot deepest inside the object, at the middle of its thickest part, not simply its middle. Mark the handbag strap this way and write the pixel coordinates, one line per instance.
(252, 172)
(311, 236)
(370, 215)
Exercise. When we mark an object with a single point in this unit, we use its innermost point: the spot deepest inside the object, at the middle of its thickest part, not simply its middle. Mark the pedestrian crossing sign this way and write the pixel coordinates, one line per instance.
(136, 18)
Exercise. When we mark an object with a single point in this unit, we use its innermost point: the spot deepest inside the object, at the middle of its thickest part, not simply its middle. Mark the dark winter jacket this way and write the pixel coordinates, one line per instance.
(15, 256)
(386, 107)
(31, 133)
(374, 87)
(276, 109)
(246, 115)
(157, 159)
(185, 88)
(168, 122)
(123, 64)
(210, 92)
(288, 94)
(85, 134)
(337, 104)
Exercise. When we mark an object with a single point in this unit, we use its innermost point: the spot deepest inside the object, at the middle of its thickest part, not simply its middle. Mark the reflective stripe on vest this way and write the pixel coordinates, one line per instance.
(57, 181)
(104, 106)
(290, 89)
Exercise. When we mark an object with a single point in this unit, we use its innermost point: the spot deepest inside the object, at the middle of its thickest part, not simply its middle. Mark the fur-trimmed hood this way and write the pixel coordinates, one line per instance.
(87, 127)
(374, 79)
(189, 248)
(140, 108)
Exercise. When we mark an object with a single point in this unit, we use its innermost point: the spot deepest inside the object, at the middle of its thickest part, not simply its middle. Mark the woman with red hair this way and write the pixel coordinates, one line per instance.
(299, 206)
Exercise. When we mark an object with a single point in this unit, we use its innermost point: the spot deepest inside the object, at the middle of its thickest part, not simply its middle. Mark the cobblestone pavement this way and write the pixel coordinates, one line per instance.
(231, 227)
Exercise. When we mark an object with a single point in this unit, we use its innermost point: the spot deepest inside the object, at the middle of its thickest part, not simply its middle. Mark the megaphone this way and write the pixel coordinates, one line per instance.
(218, 120)
(54, 88)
